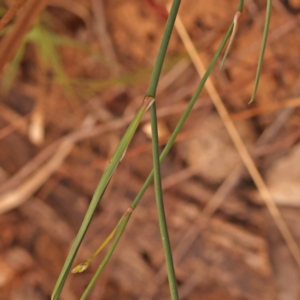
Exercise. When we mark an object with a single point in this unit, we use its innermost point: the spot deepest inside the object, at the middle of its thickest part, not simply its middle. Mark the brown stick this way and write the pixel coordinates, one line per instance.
(11, 12)
(12, 41)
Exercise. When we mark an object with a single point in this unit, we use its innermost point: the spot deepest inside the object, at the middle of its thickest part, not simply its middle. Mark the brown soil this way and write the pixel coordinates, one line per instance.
(235, 253)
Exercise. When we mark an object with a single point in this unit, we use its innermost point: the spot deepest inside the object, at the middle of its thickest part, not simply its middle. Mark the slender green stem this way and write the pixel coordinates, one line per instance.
(119, 152)
(83, 266)
(241, 5)
(160, 206)
(263, 48)
(163, 49)
(98, 195)
(184, 116)
(157, 178)
(120, 230)
(170, 143)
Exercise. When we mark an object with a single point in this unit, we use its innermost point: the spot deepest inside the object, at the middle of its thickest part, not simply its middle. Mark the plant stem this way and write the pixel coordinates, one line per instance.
(167, 148)
(184, 116)
(155, 149)
(263, 48)
(119, 152)
(241, 5)
(121, 228)
(160, 206)
(163, 49)
(105, 179)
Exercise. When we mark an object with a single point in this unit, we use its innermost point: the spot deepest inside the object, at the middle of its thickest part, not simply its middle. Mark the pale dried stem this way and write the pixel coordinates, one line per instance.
(217, 199)
(11, 12)
(240, 146)
(12, 41)
(14, 119)
(36, 129)
(233, 34)
(32, 176)
(226, 187)
(19, 195)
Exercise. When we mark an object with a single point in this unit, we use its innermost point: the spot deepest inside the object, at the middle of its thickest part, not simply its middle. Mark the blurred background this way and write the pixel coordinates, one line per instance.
(68, 94)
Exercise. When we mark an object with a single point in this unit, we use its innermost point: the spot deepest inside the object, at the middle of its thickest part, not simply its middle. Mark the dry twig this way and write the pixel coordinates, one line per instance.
(12, 41)
(11, 12)
(238, 142)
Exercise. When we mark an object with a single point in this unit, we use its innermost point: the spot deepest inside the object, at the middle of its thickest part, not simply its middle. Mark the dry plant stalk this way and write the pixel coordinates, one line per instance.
(11, 12)
(14, 119)
(239, 144)
(12, 41)
(26, 189)
(20, 187)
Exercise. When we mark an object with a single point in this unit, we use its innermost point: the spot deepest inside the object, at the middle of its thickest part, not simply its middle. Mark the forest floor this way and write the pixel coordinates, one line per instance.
(83, 71)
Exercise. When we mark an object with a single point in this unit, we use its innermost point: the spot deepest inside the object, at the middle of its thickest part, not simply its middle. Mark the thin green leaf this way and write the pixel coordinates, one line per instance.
(160, 207)
(153, 82)
(98, 196)
(241, 6)
(123, 222)
(163, 49)
(263, 47)
(83, 266)
(162, 157)
(87, 219)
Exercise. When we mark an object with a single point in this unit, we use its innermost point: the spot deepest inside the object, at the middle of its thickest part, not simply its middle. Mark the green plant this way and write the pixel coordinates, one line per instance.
(149, 101)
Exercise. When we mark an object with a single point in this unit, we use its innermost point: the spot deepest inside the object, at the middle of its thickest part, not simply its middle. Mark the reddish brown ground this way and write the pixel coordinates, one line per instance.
(239, 254)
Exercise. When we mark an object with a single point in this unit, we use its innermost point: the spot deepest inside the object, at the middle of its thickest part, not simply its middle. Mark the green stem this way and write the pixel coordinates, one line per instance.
(160, 206)
(122, 147)
(241, 5)
(163, 49)
(105, 179)
(184, 116)
(167, 147)
(119, 152)
(263, 48)
(120, 230)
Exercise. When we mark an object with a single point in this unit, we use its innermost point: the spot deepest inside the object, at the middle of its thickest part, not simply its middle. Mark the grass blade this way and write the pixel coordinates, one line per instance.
(263, 47)
(163, 49)
(83, 266)
(184, 115)
(98, 195)
(119, 152)
(151, 92)
(160, 206)
(162, 156)
(119, 231)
